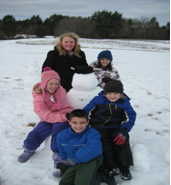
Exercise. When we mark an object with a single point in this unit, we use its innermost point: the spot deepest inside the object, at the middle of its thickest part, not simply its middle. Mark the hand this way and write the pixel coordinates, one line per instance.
(71, 162)
(78, 69)
(121, 137)
(84, 69)
(63, 166)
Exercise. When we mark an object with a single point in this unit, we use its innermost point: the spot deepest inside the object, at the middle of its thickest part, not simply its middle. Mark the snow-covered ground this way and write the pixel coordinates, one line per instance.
(144, 67)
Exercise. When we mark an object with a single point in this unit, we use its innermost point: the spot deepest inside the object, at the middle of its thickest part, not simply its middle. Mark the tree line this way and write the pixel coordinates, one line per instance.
(101, 25)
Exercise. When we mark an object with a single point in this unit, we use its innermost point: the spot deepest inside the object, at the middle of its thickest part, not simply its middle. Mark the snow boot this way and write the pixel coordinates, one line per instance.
(104, 177)
(57, 173)
(125, 173)
(114, 171)
(57, 158)
(25, 155)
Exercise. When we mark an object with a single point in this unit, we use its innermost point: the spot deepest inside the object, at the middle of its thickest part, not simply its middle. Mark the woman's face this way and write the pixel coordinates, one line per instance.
(52, 85)
(68, 44)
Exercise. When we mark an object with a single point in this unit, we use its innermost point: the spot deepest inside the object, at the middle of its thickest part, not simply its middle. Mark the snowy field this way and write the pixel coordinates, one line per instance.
(144, 67)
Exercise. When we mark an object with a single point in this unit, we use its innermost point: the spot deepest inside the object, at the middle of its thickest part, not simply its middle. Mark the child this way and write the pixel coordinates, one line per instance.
(103, 67)
(51, 106)
(65, 56)
(112, 115)
(81, 151)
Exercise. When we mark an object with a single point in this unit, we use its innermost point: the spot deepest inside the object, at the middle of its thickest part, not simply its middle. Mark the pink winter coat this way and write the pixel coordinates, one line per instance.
(49, 114)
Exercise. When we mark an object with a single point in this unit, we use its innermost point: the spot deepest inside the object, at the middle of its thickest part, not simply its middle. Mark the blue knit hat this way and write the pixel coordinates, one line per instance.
(105, 54)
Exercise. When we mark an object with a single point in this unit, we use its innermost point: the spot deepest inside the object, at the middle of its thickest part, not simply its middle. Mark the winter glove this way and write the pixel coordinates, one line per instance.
(84, 69)
(63, 166)
(121, 137)
(71, 162)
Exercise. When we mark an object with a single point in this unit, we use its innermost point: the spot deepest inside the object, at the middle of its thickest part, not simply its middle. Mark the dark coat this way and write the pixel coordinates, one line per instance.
(62, 65)
(108, 118)
(107, 115)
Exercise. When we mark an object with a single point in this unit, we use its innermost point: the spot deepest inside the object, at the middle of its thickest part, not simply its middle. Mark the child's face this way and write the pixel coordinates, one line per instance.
(68, 44)
(78, 124)
(52, 85)
(104, 62)
(113, 96)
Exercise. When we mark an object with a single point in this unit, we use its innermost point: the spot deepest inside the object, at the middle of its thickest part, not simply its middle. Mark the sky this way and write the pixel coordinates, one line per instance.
(129, 9)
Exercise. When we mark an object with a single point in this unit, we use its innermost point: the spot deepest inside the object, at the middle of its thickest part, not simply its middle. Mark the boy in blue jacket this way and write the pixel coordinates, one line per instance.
(113, 116)
(81, 151)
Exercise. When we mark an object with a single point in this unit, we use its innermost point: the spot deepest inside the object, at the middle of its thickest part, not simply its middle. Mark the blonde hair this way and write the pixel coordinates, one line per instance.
(38, 90)
(76, 49)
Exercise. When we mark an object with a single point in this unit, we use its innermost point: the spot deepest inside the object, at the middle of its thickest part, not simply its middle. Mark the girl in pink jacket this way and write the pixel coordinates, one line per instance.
(51, 106)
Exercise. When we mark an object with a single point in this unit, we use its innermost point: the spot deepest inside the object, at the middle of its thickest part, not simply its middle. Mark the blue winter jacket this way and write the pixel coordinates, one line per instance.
(105, 114)
(81, 147)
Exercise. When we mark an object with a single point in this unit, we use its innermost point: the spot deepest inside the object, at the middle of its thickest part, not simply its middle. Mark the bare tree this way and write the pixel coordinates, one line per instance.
(84, 27)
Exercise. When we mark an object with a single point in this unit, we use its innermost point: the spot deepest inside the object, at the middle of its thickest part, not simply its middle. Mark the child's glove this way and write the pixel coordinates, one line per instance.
(71, 162)
(121, 137)
(63, 166)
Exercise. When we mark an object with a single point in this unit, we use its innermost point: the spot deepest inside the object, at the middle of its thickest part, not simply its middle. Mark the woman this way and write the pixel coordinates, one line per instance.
(66, 56)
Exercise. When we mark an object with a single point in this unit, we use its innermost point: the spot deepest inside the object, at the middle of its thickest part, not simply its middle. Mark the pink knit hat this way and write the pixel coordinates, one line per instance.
(47, 75)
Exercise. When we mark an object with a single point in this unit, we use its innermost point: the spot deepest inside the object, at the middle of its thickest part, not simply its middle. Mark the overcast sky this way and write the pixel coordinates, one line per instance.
(23, 9)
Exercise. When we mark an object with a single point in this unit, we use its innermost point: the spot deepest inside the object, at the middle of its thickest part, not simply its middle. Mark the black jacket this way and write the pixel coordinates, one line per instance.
(62, 65)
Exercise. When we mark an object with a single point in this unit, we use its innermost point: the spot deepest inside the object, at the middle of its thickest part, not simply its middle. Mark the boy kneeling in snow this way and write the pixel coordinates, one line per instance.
(81, 151)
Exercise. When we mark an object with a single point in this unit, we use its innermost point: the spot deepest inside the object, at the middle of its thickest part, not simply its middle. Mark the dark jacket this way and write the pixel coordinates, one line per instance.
(105, 114)
(62, 65)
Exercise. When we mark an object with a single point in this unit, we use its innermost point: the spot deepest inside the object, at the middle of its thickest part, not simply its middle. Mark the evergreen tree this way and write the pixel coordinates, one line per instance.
(51, 22)
(108, 24)
(9, 26)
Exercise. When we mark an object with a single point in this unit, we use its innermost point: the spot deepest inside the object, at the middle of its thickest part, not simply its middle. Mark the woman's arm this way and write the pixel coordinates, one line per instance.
(84, 61)
(50, 60)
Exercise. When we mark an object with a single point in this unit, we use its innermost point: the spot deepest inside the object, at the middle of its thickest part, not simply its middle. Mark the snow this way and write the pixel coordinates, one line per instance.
(84, 89)
(144, 67)
(141, 154)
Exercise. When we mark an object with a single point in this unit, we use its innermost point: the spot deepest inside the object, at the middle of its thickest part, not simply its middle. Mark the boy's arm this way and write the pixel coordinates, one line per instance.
(91, 149)
(130, 115)
(60, 147)
(90, 105)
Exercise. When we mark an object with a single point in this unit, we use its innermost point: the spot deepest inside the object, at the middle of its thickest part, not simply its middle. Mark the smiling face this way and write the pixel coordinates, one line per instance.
(52, 85)
(113, 96)
(104, 62)
(78, 124)
(68, 44)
